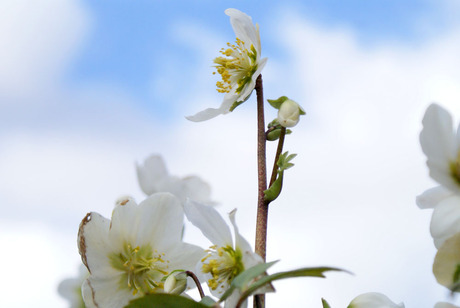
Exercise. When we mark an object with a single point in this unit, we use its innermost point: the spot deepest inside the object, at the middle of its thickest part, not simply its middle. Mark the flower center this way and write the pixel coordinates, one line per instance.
(223, 263)
(142, 268)
(455, 168)
(237, 67)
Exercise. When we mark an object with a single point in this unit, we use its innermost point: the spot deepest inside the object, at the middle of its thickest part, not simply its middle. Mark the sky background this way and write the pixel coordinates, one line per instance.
(88, 88)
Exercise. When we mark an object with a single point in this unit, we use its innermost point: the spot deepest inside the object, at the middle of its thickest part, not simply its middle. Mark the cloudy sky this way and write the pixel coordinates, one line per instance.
(87, 88)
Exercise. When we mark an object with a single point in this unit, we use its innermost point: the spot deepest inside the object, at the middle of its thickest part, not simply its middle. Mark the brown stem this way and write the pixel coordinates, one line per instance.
(278, 153)
(262, 206)
(197, 282)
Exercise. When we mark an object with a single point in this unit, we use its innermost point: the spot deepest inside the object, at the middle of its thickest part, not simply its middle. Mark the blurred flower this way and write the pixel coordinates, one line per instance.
(442, 147)
(225, 259)
(239, 67)
(128, 256)
(154, 177)
(70, 288)
(373, 300)
(446, 266)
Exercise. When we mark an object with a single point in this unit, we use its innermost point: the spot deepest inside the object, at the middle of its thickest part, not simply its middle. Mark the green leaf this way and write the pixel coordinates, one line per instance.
(208, 301)
(276, 103)
(164, 301)
(240, 281)
(325, 304)
(302, 272)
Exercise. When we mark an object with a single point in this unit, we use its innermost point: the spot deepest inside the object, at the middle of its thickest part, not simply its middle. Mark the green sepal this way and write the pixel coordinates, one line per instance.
(274, 134)
(276, 103)
(325, 304)
(302, 272)
(241, 281)
(164, 300)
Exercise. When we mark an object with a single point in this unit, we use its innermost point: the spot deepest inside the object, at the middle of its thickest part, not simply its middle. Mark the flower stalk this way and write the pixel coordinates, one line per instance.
(262, 205)
(197, 282)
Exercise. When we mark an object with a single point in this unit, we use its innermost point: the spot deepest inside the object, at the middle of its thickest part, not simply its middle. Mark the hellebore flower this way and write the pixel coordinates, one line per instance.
(153, 177)
(128, 256)
(239, 66)
(373, 300)
(226, 258)
(441, 146)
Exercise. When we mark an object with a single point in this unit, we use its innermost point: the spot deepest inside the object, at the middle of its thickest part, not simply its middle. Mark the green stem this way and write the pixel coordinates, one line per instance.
(262, 206)
(277, 157)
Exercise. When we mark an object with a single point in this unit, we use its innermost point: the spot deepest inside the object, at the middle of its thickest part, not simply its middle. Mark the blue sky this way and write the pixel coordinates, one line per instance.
(88, 91)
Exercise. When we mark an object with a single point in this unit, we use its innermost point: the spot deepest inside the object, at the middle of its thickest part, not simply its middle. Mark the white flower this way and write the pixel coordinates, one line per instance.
(128, 256)
(289, 113)
(446, 266)
(154, 177)
(239, 67)
(226, 258)
(373, 300)
(71, 288)
(444, 305)
(442, 147)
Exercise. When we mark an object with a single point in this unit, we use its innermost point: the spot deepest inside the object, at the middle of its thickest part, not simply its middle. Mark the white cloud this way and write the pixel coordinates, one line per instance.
(39, 38)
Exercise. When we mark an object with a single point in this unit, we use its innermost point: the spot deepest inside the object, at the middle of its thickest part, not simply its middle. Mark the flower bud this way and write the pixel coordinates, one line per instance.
(288, 113)
(176, 283)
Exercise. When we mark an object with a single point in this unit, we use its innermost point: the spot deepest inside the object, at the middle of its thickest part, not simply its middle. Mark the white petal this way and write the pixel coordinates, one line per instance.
(151, 173)
(232, 300)
(447, 261)
(445, 221)
(108, 293)
(184, 256)
(373, 300)
(444, 305)
(197, 189)
(160, 221)
(437, 137)
(94, 246)
(208, 220)
(431, 197)
(124, 225)
(244, 28)
(206, 114)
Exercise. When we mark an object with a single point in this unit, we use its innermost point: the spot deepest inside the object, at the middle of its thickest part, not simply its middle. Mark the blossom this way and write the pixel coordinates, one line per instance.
(442, 147)
(373, 300)
(239, 66)
(226, 258)
(128, 256)
(446, 265)
(71, 288)
(289, 113)
(153, 177)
